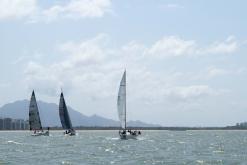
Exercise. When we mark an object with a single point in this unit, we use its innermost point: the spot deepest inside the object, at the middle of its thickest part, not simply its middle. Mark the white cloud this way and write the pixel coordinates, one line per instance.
(215, 72)
(241, 70)
(172, 6)
(82, 69)
(176, 46)
(230, 45)
(94, 68)
(42, 78)
(86, 52)
(10, 9)
(74, 9)
(211, 73)
(190, 92)
(172, 46)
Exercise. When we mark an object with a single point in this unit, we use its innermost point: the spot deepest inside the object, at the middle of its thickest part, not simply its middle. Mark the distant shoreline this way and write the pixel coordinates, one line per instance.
(163, 128)
(147, 128)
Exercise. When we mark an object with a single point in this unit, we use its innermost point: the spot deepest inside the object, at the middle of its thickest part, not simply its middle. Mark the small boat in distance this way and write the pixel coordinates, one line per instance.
(34, 118)
(124, 133)
(64, 117)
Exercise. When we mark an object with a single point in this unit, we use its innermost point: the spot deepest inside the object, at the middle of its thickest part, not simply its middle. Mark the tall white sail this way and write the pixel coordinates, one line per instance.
(34, 119)
(121, 101)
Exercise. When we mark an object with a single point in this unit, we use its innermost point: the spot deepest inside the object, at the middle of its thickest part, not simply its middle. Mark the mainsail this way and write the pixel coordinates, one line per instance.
(34, 119)
(121, 101)
(63, 113)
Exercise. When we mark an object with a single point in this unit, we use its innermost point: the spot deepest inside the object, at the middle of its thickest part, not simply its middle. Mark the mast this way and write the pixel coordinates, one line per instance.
(125, 97)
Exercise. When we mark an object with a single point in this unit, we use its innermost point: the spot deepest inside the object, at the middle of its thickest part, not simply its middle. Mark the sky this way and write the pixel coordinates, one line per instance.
(185, 60)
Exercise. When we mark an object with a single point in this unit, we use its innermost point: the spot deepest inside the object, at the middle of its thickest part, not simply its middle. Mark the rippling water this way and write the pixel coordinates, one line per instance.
(104, 147)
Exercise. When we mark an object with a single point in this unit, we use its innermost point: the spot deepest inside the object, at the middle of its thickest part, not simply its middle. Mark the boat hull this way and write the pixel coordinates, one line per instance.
(70, 133)
(125, 135)
(46, 133)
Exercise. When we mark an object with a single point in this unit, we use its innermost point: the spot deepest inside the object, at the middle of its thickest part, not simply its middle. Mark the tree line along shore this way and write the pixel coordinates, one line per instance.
(143, 128)
(21, 124)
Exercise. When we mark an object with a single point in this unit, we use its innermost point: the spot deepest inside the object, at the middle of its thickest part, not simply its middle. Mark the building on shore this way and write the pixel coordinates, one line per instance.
(13, 124)
(1, 124)
(7, 123)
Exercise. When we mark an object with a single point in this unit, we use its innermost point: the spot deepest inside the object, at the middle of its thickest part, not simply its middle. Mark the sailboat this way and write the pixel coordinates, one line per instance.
(124, 133)
(64, 117)
(34, 118)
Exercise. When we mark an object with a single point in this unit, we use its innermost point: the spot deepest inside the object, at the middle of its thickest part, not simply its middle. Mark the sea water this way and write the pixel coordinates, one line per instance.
(105, 147)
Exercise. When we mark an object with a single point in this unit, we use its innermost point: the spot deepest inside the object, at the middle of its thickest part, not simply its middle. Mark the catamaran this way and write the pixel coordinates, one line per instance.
(34, 118)
(124, 133)
(64, 117)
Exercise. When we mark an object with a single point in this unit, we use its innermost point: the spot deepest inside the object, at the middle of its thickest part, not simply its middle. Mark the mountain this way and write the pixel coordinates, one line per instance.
(50, 116)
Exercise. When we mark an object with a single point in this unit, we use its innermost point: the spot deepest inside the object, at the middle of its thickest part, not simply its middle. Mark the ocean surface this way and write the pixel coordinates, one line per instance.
(105, 148)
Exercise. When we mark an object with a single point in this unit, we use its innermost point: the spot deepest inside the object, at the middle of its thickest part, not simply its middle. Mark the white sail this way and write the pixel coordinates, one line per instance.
(121, 101)
(34, 119)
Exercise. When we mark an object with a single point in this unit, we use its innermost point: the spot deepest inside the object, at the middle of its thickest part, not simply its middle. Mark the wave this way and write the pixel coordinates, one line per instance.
(14, 142)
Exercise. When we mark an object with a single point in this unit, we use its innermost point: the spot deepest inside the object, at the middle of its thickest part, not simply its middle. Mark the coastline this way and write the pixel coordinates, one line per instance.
(145, 128)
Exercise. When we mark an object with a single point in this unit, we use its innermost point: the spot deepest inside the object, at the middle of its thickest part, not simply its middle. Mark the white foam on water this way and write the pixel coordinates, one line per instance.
(200, 161)
(112, 138)
(218, 151)
(142, 138)
(181, 142)
(17, 151)
(66, 162)
(14, 142)
(107, 150)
